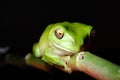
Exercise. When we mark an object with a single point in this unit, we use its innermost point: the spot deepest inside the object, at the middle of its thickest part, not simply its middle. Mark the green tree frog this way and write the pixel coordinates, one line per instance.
(60, 41)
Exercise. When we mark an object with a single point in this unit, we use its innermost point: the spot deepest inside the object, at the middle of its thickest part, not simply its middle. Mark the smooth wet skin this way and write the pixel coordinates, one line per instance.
(61, 40)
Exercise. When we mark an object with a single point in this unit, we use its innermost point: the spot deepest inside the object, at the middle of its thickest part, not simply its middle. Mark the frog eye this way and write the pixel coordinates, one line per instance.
(59, 33)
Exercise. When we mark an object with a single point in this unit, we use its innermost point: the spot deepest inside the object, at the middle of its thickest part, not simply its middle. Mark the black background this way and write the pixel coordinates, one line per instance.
(22, 22)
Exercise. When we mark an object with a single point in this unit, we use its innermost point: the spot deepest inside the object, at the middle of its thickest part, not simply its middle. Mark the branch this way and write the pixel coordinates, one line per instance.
(86, 62)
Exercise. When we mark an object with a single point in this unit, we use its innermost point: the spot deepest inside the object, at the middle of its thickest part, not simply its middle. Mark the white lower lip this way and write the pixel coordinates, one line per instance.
(62, 48)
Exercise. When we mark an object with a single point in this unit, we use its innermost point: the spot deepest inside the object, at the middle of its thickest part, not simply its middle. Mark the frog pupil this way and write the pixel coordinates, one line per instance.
(59, 33)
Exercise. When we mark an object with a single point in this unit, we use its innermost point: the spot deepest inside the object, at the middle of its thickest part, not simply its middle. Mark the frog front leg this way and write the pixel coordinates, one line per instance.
(36, 50)
(52, 58)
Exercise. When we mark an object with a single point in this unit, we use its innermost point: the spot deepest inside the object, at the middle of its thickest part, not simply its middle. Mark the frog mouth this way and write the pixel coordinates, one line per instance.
(62, 48)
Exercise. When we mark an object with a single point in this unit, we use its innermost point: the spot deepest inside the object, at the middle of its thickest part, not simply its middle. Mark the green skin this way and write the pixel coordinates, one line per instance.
(56, 49)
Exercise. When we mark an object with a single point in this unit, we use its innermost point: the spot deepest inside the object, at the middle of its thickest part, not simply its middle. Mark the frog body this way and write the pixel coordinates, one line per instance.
(60, 41)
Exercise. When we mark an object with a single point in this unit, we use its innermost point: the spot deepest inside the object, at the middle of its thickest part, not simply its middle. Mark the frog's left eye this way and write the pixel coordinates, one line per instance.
(59, 33)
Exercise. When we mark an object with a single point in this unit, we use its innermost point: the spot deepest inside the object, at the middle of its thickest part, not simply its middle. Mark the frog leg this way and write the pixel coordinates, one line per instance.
(36, 50)
(52, 58)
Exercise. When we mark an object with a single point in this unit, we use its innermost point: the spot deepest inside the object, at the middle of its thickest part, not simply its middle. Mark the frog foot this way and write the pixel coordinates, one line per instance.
(67, 68)
(67, 59)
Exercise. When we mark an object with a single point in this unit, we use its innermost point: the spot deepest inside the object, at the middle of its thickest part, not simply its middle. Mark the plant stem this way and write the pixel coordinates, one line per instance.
(95, 66)
(86, 62)
(31, 60)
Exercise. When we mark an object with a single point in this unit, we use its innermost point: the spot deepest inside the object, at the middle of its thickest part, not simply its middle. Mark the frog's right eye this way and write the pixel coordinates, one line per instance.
(59, 33)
